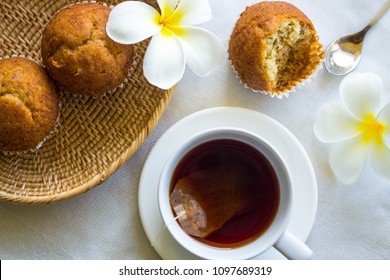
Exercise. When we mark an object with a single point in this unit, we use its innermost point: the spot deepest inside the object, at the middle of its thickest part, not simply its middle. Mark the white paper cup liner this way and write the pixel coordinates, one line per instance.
(281, 94)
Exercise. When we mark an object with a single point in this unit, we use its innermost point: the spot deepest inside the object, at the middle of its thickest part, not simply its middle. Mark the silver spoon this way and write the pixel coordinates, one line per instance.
(343, 54)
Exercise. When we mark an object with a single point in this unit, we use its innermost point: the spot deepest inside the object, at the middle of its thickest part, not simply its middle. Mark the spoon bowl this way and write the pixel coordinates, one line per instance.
(343, 55)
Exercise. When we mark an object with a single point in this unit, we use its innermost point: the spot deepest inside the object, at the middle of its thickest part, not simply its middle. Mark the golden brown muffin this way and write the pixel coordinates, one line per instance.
(79, 55)
(29, 104)
(274, 47)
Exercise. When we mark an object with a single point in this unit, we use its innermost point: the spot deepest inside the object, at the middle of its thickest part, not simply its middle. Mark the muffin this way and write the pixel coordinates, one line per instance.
(80, 56)
(29, 104)
(274, 47)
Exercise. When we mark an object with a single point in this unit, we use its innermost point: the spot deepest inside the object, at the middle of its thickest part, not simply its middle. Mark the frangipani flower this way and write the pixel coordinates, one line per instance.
(361, 128)
(175, 42)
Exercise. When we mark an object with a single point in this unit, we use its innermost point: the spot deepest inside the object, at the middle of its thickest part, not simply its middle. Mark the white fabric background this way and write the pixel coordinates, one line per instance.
(353, 221)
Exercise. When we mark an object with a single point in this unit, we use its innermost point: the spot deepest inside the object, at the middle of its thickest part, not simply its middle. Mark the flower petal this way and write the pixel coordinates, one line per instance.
(347, 159)
(167, 7)
(131, 22)
(334, 124)
(384, 118)
(380, 160)
(361, 93)
(203, 50)
(164, 61)
(190, 12)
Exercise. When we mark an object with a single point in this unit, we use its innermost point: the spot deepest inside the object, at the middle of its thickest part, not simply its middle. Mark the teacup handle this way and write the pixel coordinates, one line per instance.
(293, 248)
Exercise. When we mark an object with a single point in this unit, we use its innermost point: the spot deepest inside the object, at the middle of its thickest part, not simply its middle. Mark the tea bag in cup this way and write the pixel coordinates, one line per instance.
(205, 200)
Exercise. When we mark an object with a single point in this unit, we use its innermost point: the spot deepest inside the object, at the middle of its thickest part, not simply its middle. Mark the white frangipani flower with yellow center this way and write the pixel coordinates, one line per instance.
(361, 128)
(175, 42)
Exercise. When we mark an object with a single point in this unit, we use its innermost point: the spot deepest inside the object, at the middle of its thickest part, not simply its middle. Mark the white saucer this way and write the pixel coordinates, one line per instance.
(305, 186)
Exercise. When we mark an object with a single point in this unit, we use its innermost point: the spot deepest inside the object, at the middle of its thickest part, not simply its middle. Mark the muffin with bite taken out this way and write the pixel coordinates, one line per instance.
(274, 47)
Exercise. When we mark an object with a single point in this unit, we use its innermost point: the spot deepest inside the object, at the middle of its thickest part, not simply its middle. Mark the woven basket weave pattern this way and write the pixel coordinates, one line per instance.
(95, 136)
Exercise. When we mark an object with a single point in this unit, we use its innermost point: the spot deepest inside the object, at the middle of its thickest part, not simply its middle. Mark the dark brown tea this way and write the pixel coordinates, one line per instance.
(256, 179)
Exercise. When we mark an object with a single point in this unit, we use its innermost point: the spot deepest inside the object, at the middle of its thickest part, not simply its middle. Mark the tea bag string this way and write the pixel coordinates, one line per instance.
(179, 215)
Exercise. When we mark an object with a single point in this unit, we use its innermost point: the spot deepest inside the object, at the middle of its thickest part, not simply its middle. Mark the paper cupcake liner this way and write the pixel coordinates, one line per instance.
(295, 85)
(56, 125)
(130, 70)
(284, 94)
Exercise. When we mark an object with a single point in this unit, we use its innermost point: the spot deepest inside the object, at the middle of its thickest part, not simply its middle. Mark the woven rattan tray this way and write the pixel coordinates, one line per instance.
(95, 136)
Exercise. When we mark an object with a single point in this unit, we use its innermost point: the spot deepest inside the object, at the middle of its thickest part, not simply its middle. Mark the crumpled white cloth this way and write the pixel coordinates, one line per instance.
(353, 221)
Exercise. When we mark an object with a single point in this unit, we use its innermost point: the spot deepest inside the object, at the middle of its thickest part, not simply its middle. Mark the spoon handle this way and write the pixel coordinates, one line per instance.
(379, 14)
(359, 37)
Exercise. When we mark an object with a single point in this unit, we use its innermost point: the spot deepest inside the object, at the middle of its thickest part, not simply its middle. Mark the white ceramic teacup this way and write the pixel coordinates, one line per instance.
(276, 235)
